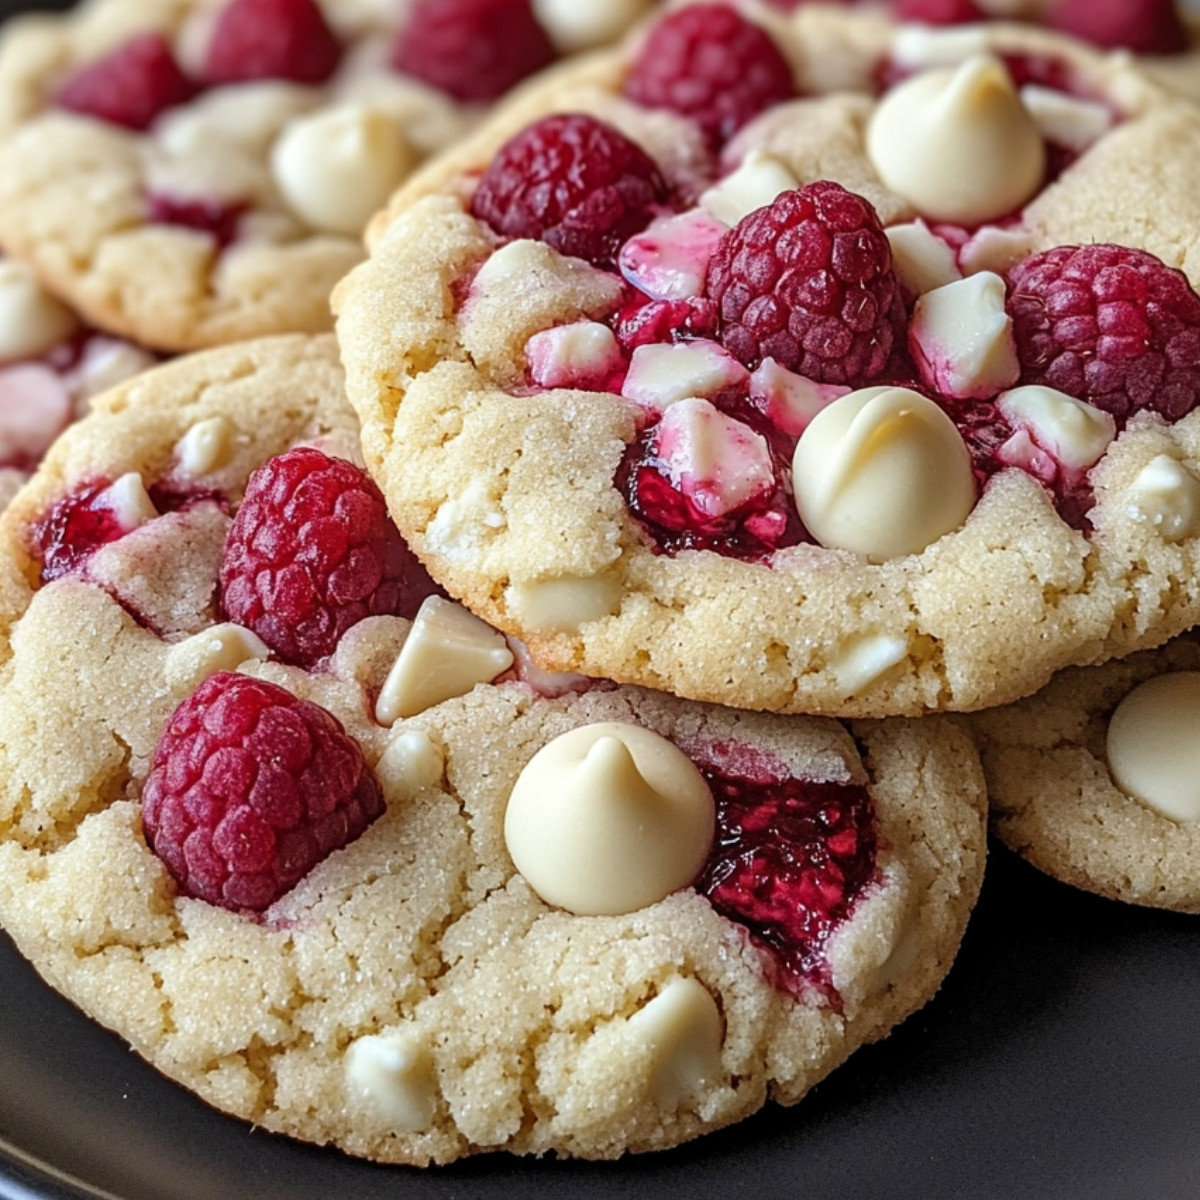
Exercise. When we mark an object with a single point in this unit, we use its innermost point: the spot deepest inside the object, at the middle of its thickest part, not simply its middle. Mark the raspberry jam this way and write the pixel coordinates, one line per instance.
(73, 528)
(790, 860)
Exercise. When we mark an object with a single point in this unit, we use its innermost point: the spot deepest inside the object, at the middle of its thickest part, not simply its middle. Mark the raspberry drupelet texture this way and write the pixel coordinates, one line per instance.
(709, 63)
(575, 182)
(1110, 325)
(129, 86)
(1144, 26)
(473, 50)
(312, 552)
(808, 281)
(250, 788)
(271, 39)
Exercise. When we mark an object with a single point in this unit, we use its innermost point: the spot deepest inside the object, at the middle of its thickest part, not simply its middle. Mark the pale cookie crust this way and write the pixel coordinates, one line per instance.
(502, 492)
(1053, 798)
(514, 1013)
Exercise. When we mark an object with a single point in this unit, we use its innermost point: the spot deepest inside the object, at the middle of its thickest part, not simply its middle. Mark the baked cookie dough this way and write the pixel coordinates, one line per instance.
(412, 998)
(601, 459)
(1095, 779)
(230, 151)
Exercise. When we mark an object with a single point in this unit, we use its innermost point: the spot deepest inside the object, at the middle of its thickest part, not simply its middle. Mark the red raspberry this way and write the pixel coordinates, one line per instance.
(73, 528)
(271, 39)
(644, 320)
(1145, 26)
(709, 63)
(312, 552)
(1110, 325)
(808, 281)
(937, 12)
(472, 49)
(129, 86)
(218, 218)
(250, 787)
(574, 182)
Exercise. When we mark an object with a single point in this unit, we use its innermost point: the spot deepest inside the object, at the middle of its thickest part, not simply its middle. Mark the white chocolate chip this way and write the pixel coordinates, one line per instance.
(247, 115)
(669, 259)
(681, 1033)
(758, 180)
(105, 363)
(922, 260)
(461, 525)
(1074, 432)
(563, 605)
(712, 458)
(1167, 495)
(548, 684)
(919, 47)
(962, 340)
(1066, 120)
(992, 248)
(609, 818)
(411, 762)
(789, 400)
(958, 143)
(581, 354)
(882, 472)
(219, 648)
(447, 652)
(394, 1073)
(31, 320)
(662, 374)
(129, 501)
(337, 167)
(575, 25)
(205, 447)
(1154, 745)
(34, 409)
(863, 660)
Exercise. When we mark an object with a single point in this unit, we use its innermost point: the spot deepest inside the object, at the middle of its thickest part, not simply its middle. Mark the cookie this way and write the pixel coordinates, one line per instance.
(50, 365)
(231, 150)
(659, 428)
(1094, 779)
(286, 873)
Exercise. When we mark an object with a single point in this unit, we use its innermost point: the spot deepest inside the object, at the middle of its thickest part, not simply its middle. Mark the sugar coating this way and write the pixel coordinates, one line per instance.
(1054, 800)
(501, 491)
(411, 999)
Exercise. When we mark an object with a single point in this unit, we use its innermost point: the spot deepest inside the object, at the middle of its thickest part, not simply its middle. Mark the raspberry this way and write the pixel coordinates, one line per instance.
(643, 321)
(312, 552)
(709, 63)
(574, 182)
(73, 528)
(217, 218)
(472, 49)
(250, 788)
(271, 39)
(790, 859)
(129, 86)
(937, 12)
(808, 281)
(1144, 26)
(1110, 325)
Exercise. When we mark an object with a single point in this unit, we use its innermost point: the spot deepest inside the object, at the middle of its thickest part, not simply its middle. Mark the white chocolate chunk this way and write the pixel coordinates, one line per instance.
(31, 320)
(129, 501)
(248, 115)
(669, 259)
(1167, 495)
(575, 26)
(563, 605)
(992, 248)
(581, 354)
(206, 446)
(861, 661)
(714, 459)
(1154, 745)
(919, 47)
(411, 762)
(922, 260)
(662, 374)
(681, 1033)
(219, 648)
(1074, 432)
(34, 409)
(961, 337)
(758, 180)
(462, 523)
(882, 472)
(958, 143)
(105, 363)
(1064, 119)
(789, 400)
(447, 652)
(609, 818)
(337, 167)
(394, 1073)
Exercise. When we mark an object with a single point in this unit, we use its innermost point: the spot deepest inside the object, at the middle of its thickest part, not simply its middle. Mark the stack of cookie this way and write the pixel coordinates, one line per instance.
(523, 721)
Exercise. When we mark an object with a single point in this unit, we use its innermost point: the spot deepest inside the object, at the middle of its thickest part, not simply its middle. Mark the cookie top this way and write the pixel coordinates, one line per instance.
(620, 443)
(1094, 779)
(411, 996)
(232, 150)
